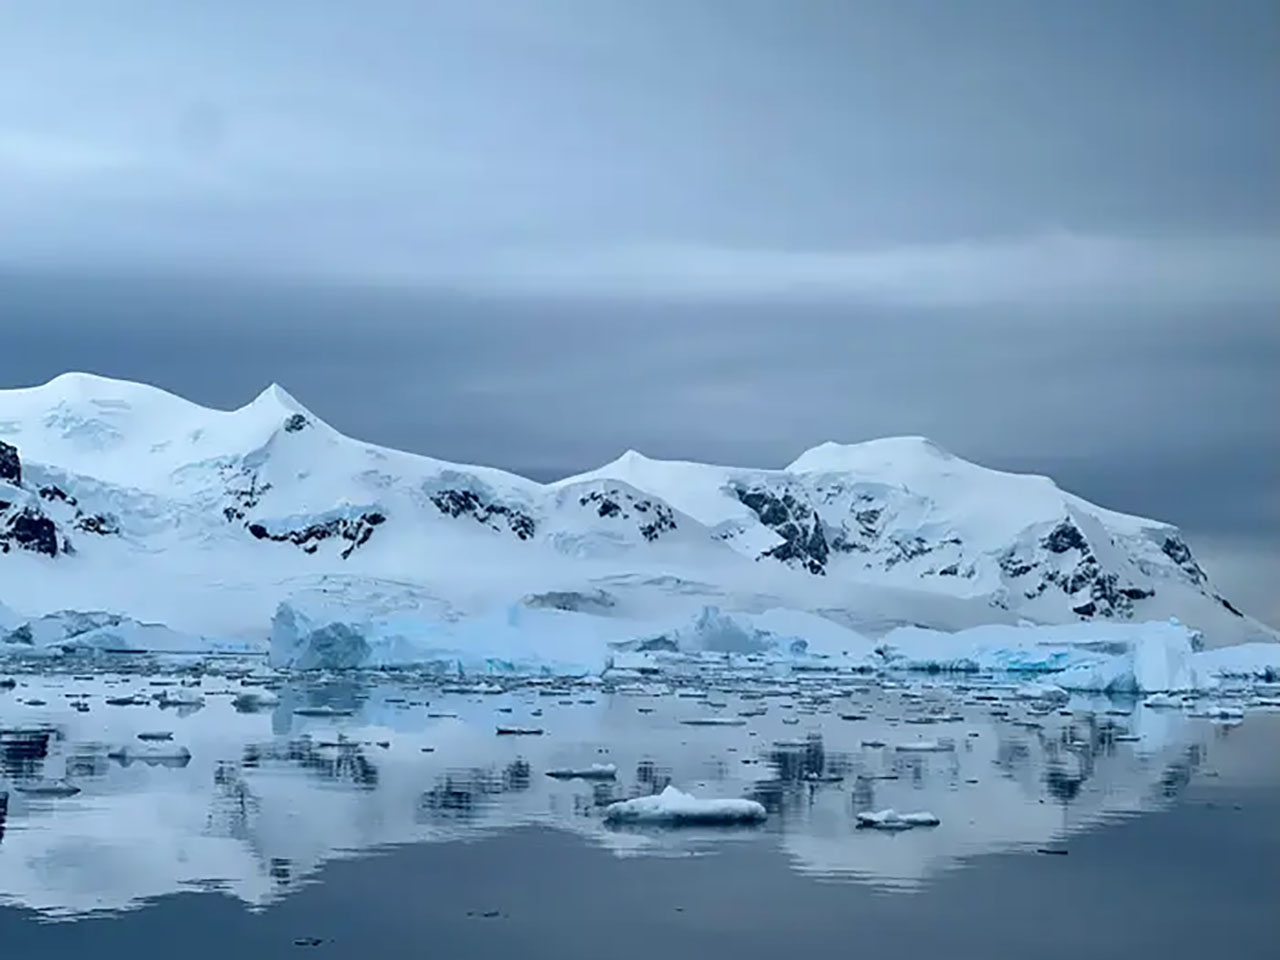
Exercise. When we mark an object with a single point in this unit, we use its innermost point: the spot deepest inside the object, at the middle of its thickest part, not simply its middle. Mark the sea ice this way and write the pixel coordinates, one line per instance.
(925, 746)
(892, 820)
(597, 771)
(675, 808)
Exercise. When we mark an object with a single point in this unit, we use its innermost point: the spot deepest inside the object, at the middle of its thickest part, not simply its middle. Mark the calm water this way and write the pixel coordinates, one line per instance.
(405, 826)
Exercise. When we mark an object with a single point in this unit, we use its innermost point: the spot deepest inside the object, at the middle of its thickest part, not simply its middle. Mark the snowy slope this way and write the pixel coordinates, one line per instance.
(165, 511)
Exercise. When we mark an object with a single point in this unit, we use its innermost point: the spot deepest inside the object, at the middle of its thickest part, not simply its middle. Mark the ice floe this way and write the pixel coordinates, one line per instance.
(672, 807)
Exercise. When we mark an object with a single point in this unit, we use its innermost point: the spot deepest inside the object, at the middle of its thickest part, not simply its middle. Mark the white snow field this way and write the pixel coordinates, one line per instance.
(134, 520)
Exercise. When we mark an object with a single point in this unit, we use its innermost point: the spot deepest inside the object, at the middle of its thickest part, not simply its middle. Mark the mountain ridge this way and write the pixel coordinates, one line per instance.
(894, 530)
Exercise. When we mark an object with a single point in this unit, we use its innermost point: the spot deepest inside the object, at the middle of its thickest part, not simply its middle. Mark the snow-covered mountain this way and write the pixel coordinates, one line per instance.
(119, 496)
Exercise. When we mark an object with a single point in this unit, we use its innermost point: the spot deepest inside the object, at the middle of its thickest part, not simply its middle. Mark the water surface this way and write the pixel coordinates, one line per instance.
(403, 823)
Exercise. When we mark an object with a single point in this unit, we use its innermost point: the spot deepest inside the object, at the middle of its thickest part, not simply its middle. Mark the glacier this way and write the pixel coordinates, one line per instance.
(133, 520)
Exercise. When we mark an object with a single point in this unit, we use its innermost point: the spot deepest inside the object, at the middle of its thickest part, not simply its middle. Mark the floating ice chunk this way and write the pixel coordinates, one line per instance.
(322, 712)
(1218, 711)
(48, 788)
(1040, 690)
(179, 698)
(675, 808)
(926, 746)
(892, 820)
(597, 771)
(1163, 701)
(253, 700)
(152, 756)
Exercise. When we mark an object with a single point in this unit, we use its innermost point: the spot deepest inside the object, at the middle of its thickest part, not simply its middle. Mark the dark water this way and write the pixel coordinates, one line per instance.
(282, 829)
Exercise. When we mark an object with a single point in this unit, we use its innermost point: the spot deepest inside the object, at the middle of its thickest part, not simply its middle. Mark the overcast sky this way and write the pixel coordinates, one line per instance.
(534, 234)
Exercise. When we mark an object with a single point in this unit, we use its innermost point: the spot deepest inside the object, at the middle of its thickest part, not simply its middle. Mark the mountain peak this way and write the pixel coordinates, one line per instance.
(277, 396)
(834, 457)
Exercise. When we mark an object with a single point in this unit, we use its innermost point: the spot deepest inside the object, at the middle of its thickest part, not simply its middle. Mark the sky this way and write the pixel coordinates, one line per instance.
(535, 234)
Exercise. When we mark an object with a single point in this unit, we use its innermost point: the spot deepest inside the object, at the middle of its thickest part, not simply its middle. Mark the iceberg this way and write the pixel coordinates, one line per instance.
(672, 807)
(1163, 701)
(1255, 661)
(101, 632)
(251, 701)
(1110, 657)
(516, 640)
(777, 634)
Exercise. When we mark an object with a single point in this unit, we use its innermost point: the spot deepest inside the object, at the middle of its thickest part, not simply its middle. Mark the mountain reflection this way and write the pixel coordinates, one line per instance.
(147, 801)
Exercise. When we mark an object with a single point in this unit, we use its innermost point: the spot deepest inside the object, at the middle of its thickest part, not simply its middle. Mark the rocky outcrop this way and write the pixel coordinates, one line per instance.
(652, 517)
(804, 542)
(245, 492)
(10, 465)
(29, 529)
(1176, 549)
(355, 531)
(102, 524)
(23, 523)
(1065, 536)
(456, 503)
(1093, 591)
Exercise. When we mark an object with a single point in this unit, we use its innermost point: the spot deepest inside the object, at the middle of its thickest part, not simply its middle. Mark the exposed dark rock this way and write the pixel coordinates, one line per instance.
(53, 492)
(662, 522)
(1014, 566)
(296, 422)
(867, 519)
(1081, 576)
(10, 464)
(798, 524)
(356, 532)
(30, 530)
(1136, 593)
(1227, 604)
(1065, 536)
(1176, 549)
(909, 548)
(951, 570)
(606, 505)
(1107, 597)
(841, 543)
(455, 503)
(245, 497)
(98, 523)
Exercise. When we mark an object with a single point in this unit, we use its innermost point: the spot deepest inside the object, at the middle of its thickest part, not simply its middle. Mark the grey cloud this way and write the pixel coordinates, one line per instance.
(536, 232)
(1054, 268)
